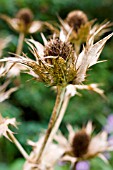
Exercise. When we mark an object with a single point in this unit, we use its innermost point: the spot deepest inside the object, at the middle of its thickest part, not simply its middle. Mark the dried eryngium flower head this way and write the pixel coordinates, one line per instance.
(25, 15)
(76, 19)
(56, 61)
(80, 143)
(81, 29)
(23, 22)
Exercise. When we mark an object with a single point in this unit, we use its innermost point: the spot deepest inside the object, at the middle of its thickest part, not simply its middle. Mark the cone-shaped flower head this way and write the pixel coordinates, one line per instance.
(23, 21)
(82, 145)
(76, 19)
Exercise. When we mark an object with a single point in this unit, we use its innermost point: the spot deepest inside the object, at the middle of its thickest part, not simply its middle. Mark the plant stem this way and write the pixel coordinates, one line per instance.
(56, 109)
(20, 43)
(21, 149)
(59, 117)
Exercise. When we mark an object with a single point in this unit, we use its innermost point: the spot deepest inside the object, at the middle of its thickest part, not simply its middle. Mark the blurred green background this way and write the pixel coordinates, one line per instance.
(32, 104)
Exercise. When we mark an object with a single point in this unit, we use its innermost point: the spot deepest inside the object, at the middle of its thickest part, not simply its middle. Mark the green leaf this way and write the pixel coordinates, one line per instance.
(17, 165)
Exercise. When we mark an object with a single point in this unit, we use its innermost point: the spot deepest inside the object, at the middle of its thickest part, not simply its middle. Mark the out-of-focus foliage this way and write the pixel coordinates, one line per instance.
(32, 104)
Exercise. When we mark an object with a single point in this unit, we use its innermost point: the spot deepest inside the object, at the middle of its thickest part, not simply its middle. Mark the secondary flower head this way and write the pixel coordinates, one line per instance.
(82, 145)
(80, 29)
(23, 21)
(57, 63)
(76, 19)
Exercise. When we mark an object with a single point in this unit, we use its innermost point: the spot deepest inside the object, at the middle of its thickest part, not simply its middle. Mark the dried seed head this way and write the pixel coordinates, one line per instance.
(80, 143)
(55, 47)
(25, 15)
(76, 18)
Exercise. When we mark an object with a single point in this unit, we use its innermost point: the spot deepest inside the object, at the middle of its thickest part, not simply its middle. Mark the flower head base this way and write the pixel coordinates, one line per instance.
(76, 19)
(23, 22)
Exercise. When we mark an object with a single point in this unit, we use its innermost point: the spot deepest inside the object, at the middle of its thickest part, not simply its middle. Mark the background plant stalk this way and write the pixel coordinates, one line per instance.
(20, 43)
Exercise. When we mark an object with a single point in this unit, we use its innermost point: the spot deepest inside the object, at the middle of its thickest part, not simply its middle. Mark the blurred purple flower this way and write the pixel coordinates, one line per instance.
(61, 163)
(109, 125)
(110, 140)
(83, 165)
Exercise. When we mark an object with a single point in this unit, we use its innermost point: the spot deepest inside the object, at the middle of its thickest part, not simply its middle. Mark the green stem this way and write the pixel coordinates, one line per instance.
(20, 43)
(58, 103)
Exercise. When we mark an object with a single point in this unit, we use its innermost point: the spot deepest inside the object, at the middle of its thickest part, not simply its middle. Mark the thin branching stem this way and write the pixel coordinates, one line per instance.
(21, 149)
(20, 43)
(56, 109)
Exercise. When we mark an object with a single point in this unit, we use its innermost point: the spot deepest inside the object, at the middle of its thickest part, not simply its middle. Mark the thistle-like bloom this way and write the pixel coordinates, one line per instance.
(57, 63)
(77, 22)
(6, 94)
(76, 19)
(4, 129)
(23, 22)
(82, 145)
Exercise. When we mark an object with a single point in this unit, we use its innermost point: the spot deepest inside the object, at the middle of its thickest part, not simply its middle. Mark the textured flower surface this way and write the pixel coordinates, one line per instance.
(57, 63)
(4, 129)
(82, 145)
(23, 22)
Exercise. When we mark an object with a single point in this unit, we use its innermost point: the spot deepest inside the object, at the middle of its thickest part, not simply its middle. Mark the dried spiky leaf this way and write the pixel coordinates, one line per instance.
(6, 94)
(3, 43)
(88, 57)
(4, 129)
